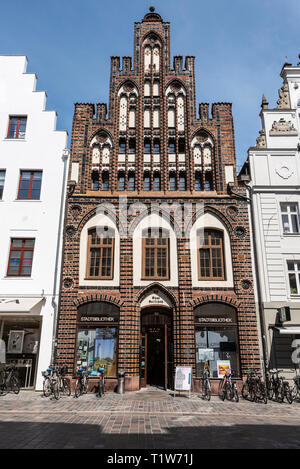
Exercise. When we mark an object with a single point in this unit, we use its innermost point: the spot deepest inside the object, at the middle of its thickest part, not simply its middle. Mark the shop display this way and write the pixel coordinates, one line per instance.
(15, 342)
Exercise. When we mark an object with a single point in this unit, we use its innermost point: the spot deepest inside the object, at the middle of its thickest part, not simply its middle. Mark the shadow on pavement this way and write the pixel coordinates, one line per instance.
(63, 435)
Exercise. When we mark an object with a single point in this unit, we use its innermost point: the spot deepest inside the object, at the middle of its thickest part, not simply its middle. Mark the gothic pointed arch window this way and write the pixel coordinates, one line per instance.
(202, 147)
(101, 148)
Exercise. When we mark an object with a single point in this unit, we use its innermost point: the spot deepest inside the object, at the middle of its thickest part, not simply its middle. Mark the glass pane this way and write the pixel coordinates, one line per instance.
(295, 224)
(29, 243)
(97, 347)
(285, 224)
(293, 284)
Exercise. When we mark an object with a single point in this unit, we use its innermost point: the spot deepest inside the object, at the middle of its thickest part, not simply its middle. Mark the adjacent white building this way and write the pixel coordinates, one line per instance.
(273, 171)
(33, 170)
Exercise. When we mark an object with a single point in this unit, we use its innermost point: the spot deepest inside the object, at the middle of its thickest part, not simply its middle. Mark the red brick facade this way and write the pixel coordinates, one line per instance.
(232, 211)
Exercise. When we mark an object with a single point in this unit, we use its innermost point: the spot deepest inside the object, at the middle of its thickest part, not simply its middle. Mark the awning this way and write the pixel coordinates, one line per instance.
(32, 306)
(288, 330)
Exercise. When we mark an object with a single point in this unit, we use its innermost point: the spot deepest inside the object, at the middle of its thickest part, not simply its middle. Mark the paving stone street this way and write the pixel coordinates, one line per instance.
(148, 419)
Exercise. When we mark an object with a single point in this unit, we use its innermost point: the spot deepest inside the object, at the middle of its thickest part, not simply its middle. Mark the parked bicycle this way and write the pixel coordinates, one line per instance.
(9, 380)
(100, 389)
(228, 389)
(296, 388)
(278, 387)
(51, 383)
(254, 388)
(206, 386)
(81, 384)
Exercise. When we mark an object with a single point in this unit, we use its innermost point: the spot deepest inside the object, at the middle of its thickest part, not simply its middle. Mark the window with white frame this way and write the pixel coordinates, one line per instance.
(290, 217)
(294, 276)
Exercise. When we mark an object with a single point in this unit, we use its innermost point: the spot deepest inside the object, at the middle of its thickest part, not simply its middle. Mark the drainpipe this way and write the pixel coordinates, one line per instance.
(257, 275)
(258, 284)
(65, 157)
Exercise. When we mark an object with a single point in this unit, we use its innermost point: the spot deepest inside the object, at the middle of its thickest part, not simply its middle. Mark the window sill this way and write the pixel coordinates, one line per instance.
(14, 140)
(290, 235)
(16, 277)
(27, 200)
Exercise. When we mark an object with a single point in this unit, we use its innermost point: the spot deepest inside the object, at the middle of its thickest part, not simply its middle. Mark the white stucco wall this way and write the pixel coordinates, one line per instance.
(42, 149)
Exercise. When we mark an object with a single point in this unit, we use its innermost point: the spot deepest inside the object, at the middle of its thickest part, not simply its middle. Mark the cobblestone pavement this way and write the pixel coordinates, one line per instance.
(148, 419)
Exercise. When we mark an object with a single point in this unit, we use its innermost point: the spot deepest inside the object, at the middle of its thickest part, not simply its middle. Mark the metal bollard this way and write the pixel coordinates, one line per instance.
(121, 382)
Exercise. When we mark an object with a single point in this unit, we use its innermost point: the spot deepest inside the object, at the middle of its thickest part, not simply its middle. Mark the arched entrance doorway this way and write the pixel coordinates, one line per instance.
(156, 362)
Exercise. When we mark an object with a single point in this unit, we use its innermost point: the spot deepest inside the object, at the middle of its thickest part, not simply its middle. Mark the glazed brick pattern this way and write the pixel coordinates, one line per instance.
(90, 119)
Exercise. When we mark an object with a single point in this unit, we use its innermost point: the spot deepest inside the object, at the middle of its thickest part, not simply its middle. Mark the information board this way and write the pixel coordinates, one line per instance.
(183, 378)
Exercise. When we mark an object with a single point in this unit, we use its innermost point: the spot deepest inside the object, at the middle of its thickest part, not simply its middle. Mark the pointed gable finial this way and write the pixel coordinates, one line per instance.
(264, 102)
(152, 9)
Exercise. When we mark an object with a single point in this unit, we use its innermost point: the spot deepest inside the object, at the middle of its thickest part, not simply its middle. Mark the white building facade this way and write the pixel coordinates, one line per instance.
(274, 169)
(33, 172)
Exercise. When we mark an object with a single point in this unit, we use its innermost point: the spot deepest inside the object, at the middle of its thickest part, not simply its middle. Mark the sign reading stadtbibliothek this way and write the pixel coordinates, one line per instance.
(183, 378)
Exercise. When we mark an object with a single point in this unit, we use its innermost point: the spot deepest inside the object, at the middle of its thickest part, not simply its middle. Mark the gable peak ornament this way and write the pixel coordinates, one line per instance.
(284, 97)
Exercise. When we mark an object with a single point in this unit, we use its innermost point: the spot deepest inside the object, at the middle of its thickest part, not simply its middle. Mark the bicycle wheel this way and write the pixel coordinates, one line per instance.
(14, 385)
(294, 392)
(56, 390)
(220, 389)
(47, 387)
(288, 394)
(245, 391)
(78, 390)
(85, 386)
(66, 386)
(236, 395)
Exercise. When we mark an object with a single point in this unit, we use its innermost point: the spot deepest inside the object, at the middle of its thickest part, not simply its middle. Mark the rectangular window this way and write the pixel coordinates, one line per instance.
(221, 343)
(210, 256)
(290, 217)
(98, 347)
(30, 185)
(17, 127)
(20, 257)
(294, 277)
(100, 255)
(155, 255)
(2, 179)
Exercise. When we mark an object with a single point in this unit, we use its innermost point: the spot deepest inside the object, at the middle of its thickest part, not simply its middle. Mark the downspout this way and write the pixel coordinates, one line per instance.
(65, 157)
(258, 284)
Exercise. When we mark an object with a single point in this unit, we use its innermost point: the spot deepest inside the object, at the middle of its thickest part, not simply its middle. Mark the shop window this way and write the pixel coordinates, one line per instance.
(97, 346)
(2, 179)
(218, 344)
(100, 254)
(30, 185)
(17, 127)
(290, 217)
(294, 277)
(216, 335)
(210, 255)
(155, 257)
(20, 257)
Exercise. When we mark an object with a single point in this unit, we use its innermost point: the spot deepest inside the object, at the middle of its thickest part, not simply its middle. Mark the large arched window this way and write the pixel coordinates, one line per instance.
(100, 256)
(155, 254)
(210, 255)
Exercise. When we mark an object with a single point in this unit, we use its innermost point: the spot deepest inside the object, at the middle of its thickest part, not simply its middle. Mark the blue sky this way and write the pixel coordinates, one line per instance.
(240, 47)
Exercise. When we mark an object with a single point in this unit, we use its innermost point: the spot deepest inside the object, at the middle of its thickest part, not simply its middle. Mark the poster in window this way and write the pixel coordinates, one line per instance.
(223, 367)
(15, 342)
(205, 354)
(31, 341)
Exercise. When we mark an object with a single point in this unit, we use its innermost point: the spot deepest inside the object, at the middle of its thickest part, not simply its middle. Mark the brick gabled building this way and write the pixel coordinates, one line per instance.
(157, 260)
